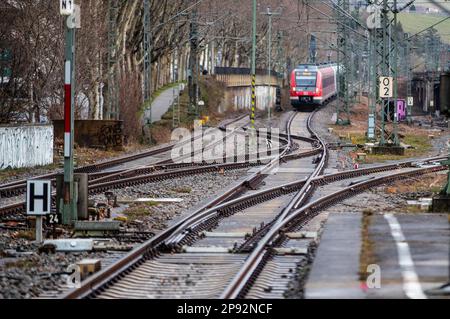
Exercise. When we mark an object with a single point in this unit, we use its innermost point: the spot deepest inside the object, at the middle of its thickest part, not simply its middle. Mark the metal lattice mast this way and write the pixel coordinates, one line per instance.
(339, 68)
(176, 78)
(407, 60)
(147, 52)
(344, 50)
(112, 108)
(371, 134)
(280, 55)
(312, 49)
(387, 60)
(351, 75)
(357, 49)
(446, 190)
(270, 15)
(437, 53)
(383, 64)
(193, 57)
(394, 70)
(447, 58)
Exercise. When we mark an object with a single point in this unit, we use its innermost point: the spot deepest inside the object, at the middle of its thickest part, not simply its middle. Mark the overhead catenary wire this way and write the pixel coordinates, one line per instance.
(428, 28)
(338, 22)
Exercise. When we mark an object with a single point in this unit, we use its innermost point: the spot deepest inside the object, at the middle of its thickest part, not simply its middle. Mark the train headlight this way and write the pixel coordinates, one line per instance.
(294, 89)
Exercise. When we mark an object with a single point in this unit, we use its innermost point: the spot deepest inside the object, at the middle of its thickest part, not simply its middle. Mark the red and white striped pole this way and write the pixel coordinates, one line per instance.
(68, 109)
(69, 213)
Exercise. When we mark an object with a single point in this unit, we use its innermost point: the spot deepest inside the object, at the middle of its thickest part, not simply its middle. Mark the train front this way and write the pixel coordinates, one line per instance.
(305, 86)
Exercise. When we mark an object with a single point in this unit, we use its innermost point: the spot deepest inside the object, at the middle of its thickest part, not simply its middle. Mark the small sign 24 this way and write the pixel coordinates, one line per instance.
(53, 219)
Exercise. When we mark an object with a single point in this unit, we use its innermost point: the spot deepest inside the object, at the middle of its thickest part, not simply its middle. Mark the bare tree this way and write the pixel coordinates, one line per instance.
(33, 36)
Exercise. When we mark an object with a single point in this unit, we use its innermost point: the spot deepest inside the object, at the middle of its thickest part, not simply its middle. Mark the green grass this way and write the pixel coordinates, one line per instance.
(21, 264)
(415, 22)
(140, 211)
(182, 190)
(421, 144)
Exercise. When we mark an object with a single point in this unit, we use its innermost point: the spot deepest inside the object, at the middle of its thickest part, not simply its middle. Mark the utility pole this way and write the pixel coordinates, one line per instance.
(269, 13)
(312, 49)
(407, 60)
(193, 64)
(147, 52)
(280, 56)
(344, 67)
(147, 46)
(69, 207)
(394, 61)
(177, 79)
(253, 113)
(112, 109)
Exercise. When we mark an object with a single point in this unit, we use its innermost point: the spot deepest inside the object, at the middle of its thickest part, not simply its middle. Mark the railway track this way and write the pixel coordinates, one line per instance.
(264, 262)
(202, 253)
(101, 182)
(17, 188)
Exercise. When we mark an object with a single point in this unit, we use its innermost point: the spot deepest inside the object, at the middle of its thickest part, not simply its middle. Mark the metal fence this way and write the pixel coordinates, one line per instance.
(26, 146)
(243, 71)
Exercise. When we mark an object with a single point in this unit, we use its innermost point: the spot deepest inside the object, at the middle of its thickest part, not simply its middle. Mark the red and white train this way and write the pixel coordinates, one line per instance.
(313, 84)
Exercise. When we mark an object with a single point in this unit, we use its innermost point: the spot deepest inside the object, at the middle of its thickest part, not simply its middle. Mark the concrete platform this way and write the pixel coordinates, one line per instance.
(412, 251)
(427, 236)
(335, 269)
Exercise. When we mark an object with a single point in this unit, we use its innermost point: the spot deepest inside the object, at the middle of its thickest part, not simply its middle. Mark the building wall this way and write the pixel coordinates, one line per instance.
(95, 134)
(238, 80)
(239, 92)
(240, 97)
(26, 146)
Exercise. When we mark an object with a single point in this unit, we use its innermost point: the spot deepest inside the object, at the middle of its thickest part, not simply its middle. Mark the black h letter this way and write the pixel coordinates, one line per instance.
(34, 197)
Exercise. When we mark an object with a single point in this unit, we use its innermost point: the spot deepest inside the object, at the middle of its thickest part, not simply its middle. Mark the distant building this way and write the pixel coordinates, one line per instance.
(432, 10)
(425, 10)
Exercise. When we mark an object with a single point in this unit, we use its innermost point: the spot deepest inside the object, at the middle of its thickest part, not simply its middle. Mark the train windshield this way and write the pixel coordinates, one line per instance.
(305, 80)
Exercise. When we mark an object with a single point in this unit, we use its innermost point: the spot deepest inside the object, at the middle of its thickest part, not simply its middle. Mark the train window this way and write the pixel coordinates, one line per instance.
(306, 81)
(328, 81)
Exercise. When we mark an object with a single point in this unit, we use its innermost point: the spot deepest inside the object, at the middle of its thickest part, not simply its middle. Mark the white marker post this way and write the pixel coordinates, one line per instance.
(386, 87)
(39, 194)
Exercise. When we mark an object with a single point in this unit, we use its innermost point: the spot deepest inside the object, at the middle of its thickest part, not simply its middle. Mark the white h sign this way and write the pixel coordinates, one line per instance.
(386, 87)
(66, 7)
(39, 194)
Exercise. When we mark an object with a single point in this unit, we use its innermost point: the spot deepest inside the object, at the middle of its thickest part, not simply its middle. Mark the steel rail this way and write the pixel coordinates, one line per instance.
(255, 261)
(95, 188)
(149, 248)
(227, 203)
(19, 187)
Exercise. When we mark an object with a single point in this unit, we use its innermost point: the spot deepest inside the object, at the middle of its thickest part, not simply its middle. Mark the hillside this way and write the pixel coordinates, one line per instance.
(415, 22)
